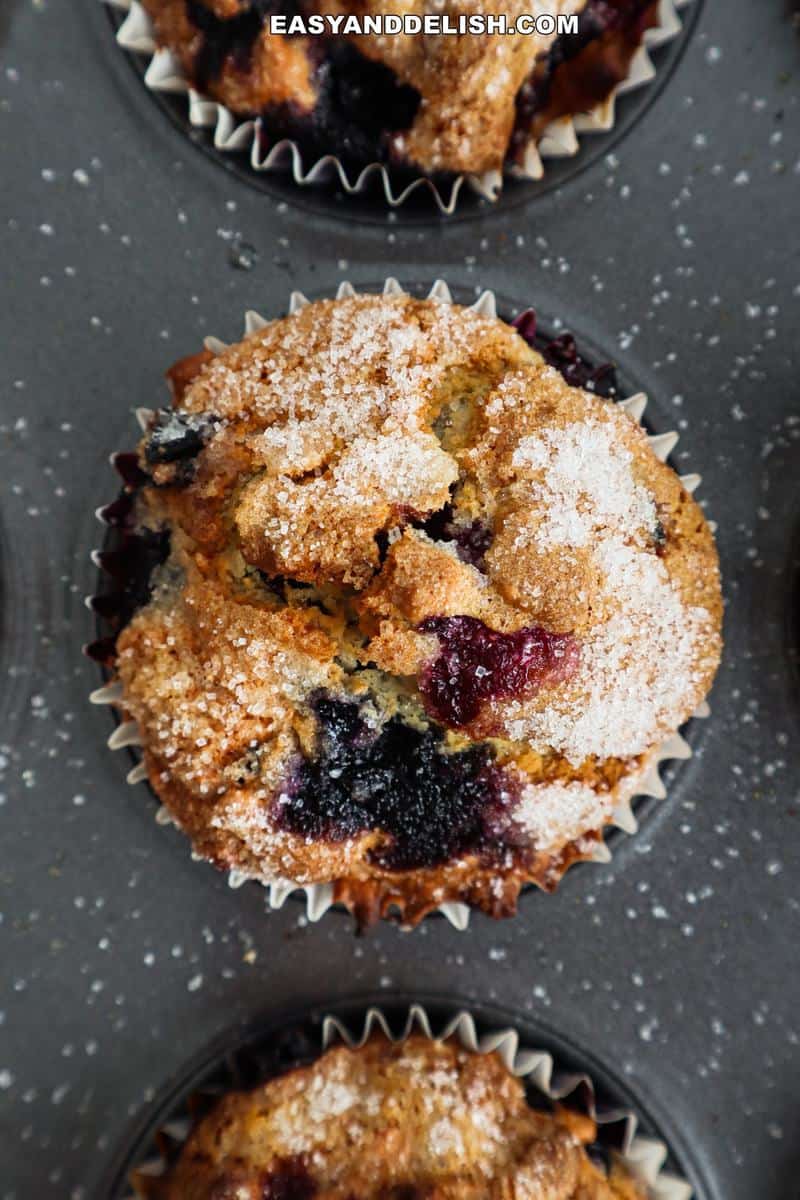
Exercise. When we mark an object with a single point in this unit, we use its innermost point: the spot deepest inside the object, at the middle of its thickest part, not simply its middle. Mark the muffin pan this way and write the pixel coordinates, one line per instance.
(124, 245)
(552, 1071)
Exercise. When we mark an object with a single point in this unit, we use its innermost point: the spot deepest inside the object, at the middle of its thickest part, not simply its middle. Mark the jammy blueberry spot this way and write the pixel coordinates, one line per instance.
(134, 565)
(289, 1181)
(472, 538)
(431, 805)
(361, 100)
(563, 354)
(126, 464)
(477, 665)
(130, 569)
(472, 541)
(222, 39)
(603, 16)
(359, 104)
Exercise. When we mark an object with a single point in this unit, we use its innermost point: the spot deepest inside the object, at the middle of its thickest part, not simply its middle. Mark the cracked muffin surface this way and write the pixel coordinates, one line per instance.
(417, 1120)
(422, 612)
(436, 103)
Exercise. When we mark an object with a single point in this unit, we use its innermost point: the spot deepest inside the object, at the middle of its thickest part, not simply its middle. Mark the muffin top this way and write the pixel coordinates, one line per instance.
(445, 103)
(424, 602)
(418, 1120)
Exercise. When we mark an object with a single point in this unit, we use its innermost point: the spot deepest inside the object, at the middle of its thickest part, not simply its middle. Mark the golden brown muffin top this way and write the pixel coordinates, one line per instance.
(349, 418)
(419, 1120)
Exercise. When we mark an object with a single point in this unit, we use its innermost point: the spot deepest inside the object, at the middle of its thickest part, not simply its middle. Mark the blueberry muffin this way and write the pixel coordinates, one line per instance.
(411, 614)
(419, 1120)
(449, 104)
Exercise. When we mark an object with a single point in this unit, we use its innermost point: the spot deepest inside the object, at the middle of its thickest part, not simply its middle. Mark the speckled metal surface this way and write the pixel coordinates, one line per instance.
(121, 246)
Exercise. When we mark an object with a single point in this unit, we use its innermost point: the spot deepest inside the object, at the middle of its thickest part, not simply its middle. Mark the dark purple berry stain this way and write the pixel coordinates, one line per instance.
(563, 354)
(359, 103)
(605, 16)
(126, 464)
(127, 562)
(290, 1180)
(599, 17)
(477, 665)
(472, 541)
(129, 568)
(232, 38)
(471, 538)
(432, 806)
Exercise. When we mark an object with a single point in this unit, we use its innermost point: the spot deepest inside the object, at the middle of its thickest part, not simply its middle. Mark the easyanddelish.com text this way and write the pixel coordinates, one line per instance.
(430, 24)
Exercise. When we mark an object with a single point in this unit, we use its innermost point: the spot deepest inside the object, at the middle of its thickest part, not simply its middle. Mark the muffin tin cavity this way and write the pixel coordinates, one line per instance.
(451, 779)
(554, 1072)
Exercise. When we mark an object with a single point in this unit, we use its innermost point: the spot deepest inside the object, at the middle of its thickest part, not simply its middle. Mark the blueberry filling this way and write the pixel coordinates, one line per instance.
(471, 539)
(130, 567)
(605, 16)
(477, 665)
(563, 354)
(134, 565)
(177, 437)
(596, 19)
(126, 464)
(233, 38)
(128, 562)
(359, 101)
(289, 1181)
(430, 805)
(382, 542)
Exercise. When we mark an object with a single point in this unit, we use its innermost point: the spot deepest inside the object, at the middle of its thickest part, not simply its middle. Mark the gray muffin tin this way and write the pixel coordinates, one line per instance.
(675, 252)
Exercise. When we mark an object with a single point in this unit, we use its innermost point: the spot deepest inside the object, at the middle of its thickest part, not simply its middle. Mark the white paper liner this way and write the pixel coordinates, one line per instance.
(233, 134)
(320, 896)
(643, 1156)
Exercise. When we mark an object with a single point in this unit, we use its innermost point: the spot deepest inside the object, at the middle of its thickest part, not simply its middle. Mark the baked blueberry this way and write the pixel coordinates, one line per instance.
(174, 440)
(429, 804)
